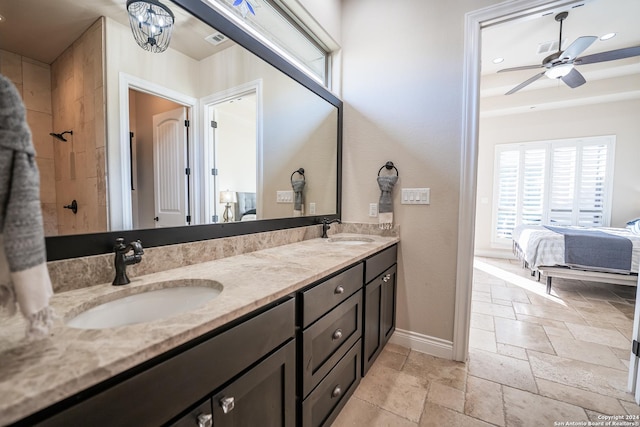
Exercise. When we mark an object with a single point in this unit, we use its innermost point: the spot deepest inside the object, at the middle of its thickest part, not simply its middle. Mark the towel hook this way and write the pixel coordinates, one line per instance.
(389, 165)
(299, 171)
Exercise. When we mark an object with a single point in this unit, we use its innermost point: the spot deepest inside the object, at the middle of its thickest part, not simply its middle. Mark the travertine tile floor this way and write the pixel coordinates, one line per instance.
(534, 360)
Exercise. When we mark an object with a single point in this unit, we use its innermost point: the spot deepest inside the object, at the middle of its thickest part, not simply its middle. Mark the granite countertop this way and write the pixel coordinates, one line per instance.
(34, 375)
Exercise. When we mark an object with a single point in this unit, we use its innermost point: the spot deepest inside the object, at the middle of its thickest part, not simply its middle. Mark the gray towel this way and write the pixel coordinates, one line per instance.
(298, 200)
(24, 278)
(385, 205)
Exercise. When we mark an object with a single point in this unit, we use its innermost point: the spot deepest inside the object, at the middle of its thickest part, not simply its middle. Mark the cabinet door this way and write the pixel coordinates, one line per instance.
(264, 396)
(379, 315)
(372, 315)
(388, 321)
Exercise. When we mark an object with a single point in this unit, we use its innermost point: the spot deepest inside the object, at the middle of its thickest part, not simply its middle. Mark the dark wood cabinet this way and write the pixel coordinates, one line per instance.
(170, 384)
(263, 396)
(295, 362)
(379, 304)
(329, 343)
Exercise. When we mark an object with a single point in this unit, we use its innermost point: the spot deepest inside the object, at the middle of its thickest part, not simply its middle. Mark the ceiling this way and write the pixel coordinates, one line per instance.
(43, 29)
(518, 40)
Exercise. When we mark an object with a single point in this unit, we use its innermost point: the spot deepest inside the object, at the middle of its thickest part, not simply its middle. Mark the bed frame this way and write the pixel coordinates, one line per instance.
(573, 274)
(593, 276)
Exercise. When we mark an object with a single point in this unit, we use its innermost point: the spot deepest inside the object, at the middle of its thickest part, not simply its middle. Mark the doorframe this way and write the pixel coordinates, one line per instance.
(126, 82)
(474, 22)
(207, 104)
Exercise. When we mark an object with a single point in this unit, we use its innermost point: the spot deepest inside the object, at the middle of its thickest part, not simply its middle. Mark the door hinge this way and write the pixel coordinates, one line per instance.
(635, 348)
(214, 218)
(214, 171)
(187, 123)
(188, 219)
(214, 124)
(187, 171)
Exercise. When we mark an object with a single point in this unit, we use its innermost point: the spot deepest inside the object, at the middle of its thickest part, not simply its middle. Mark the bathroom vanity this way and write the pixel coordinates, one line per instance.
(284, 344)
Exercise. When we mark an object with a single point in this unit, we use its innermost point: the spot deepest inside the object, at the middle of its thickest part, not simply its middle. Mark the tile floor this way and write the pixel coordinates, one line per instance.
(534, 360)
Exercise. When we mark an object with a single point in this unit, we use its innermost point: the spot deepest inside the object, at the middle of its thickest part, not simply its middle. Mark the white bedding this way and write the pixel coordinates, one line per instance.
(539, 246)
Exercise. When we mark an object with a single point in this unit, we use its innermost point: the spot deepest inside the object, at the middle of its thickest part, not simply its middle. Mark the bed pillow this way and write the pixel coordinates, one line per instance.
(634, 226)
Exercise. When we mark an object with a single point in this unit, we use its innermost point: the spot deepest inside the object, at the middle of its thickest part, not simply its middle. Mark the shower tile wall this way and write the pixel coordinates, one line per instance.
(67, 95)
(77, 85)
(33, 80)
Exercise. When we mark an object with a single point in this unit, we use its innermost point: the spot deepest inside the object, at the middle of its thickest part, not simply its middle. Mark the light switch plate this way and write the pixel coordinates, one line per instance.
(284, 196)
(312, 208)
(416, 196)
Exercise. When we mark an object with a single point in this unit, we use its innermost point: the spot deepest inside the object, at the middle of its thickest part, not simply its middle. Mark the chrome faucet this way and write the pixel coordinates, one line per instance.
(122, 259)
(326, 226)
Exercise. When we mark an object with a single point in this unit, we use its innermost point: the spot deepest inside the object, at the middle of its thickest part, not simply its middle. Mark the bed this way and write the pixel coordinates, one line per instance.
(245, 208)
(544, 250)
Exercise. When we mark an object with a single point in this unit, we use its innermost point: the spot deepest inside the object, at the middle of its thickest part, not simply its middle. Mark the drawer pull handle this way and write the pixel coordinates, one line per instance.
(337, 334)
(386, 278)
(339, 290)
(205, 420)
(227, 404)
(336, 392)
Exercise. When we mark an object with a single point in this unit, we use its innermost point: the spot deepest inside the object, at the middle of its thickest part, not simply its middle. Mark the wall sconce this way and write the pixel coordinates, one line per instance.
(228, 197)
(151, 23)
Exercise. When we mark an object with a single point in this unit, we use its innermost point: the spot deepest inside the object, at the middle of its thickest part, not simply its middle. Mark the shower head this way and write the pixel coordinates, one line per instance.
(60, 135)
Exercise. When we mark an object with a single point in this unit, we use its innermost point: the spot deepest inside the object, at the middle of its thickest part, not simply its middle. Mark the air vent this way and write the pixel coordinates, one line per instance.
(549, 47)
(216, 38)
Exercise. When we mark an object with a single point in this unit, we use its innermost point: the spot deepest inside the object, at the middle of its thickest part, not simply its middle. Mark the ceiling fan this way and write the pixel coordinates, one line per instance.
(561, 64)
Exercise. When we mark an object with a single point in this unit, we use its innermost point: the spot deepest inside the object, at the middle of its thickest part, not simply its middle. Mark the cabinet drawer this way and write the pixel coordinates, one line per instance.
(161, 392)
(325, 402)
(327, 340)
(380, 262)
(326, 295)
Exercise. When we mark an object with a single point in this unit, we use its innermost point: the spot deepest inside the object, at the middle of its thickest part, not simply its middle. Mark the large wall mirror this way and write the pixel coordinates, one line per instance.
(207, 139)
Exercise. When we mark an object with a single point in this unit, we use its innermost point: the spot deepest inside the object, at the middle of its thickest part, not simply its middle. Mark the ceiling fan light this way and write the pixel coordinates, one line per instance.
(559, 71)
(151, 24)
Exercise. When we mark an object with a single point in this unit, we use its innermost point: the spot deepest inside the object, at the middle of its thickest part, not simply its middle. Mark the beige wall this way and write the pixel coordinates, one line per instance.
(403, 102)
(77, 82)
(614, 118)
(33, 81)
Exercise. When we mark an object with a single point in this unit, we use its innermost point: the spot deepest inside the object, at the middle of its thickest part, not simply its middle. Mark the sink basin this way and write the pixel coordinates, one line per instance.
(163, 300)
(350, 240)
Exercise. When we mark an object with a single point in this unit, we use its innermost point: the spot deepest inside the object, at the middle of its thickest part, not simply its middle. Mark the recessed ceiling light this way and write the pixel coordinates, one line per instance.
(608, 36)
(2, 18)
(498, 60)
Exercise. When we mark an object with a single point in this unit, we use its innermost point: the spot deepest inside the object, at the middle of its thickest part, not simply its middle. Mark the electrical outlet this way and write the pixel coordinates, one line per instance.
(312, 208)
(373, 209)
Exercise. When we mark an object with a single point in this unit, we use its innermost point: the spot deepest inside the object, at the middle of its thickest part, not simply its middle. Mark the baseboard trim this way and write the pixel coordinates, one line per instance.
(495, 253)
(423, 343)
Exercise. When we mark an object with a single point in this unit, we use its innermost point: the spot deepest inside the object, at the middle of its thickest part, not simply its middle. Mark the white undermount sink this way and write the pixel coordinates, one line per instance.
(348, 240)
(172, 298)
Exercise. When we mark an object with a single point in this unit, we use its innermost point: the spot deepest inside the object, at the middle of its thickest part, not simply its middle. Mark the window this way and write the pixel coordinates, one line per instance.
(561, 182)
(274, 24)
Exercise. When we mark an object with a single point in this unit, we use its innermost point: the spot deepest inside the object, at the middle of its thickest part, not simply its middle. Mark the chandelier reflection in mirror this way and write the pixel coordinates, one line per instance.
(151, 24)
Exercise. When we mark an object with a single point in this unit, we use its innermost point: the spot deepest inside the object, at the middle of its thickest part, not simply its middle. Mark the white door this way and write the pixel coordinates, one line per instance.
(169, 167)
(634, 365)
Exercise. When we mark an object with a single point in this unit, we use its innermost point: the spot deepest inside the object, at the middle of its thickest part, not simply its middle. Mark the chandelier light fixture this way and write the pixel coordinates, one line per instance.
(151, 24)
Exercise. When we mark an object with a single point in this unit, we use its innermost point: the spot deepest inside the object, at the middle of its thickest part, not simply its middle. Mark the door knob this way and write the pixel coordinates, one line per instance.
(156, 219)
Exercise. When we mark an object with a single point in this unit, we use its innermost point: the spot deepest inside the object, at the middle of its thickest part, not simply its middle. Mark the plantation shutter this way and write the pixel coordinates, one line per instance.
(567, 182)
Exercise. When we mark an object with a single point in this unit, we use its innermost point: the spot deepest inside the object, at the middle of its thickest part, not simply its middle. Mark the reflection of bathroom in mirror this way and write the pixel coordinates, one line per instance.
(93, 79)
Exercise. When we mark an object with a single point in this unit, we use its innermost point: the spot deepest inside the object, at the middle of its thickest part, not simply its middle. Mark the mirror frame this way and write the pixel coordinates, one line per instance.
(79, 245)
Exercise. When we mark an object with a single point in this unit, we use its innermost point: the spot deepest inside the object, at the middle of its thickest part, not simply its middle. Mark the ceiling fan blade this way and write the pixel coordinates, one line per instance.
(525, 83)
(574, 79)
(524, 67)
(610, 55)
(577, 47)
